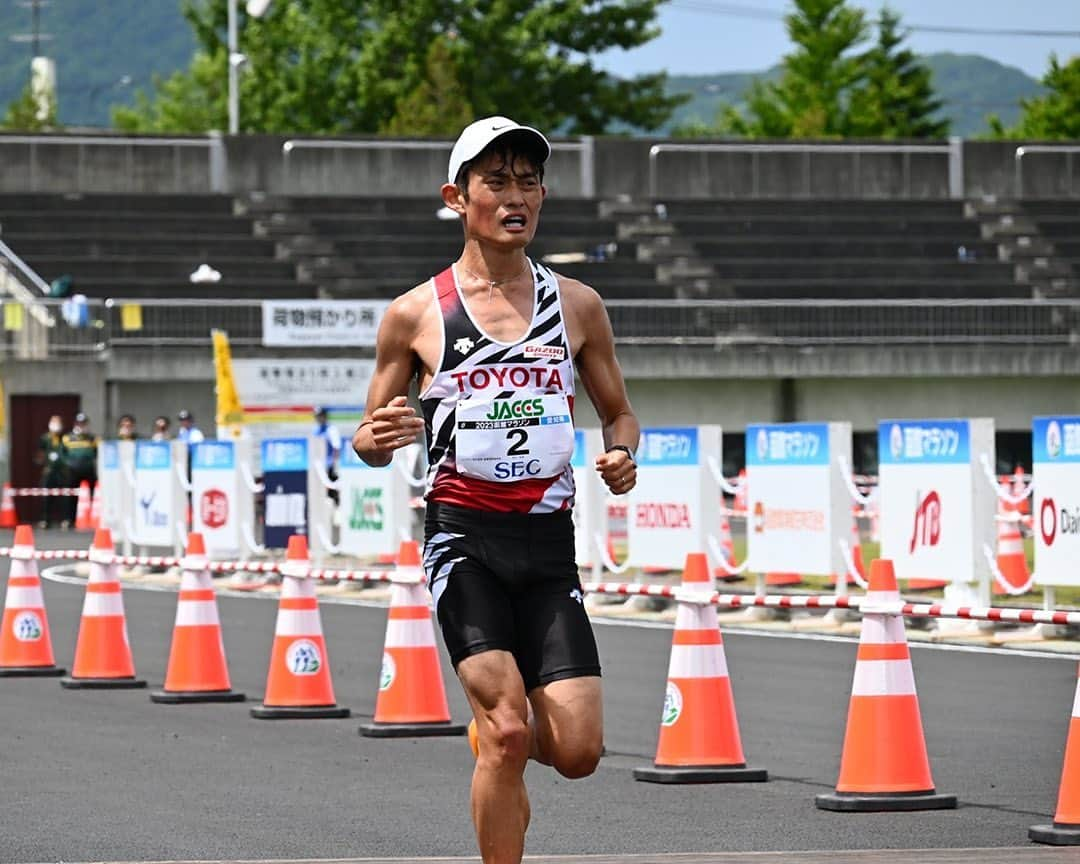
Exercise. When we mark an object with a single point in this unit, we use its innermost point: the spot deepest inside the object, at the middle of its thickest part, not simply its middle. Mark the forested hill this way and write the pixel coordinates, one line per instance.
(102, 57)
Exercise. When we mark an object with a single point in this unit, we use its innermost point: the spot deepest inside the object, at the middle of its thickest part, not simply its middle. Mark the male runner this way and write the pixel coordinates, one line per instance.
(494, 341)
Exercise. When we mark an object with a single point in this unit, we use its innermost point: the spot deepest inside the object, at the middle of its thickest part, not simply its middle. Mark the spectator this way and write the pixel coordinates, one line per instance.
(332, 437)
(188, 432)
(80, 456)
(161, 429)
(125, 428)
(50, 457)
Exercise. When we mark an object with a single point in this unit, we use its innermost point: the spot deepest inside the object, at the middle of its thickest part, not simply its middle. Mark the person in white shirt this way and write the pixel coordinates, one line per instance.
(332, 437)
(188, 432)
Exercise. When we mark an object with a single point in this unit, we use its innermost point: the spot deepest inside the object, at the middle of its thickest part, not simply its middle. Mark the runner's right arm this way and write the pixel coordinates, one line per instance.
(389, 423)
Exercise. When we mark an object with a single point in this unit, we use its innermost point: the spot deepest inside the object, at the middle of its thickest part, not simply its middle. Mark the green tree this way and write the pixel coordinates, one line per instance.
(438, 106)
(24, 114)
(1053, 116)
(896, 98)
(810, 99)
(333, 66)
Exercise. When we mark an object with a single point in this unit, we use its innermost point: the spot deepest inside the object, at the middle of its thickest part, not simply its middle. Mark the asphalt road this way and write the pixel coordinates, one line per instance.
(108, 775)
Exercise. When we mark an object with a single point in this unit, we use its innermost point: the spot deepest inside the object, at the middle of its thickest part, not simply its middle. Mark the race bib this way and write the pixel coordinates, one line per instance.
(522, 438)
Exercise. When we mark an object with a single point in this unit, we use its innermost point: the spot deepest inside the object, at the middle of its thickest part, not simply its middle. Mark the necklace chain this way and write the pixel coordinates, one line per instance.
(494, 283)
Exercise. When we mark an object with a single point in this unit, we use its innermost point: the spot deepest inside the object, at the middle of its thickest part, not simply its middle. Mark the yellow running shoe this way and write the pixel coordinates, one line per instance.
(474, 738)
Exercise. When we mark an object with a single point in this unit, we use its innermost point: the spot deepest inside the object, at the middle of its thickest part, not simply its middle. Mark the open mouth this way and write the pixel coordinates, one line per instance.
(514, 223)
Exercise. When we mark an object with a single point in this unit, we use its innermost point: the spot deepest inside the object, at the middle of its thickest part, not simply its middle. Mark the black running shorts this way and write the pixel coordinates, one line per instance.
(509, 581)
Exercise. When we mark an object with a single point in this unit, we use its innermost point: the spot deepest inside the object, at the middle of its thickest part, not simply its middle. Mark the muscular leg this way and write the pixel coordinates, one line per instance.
(500, 804)
(569, 725)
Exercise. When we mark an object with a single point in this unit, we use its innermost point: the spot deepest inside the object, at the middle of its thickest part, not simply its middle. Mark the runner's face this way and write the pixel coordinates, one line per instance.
(504, 201)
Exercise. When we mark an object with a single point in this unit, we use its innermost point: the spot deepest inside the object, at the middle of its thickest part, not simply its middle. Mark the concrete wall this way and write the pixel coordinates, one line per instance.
(110, 163)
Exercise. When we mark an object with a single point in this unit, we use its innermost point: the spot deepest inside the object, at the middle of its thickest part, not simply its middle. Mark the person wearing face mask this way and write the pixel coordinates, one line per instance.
(54, 475)
(125, 428)
(80, 456)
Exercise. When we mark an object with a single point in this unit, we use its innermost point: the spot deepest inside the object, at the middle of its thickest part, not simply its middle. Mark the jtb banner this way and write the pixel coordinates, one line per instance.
(1055, 447)
(937, 508)
(285, 478)
(220, 502)
(798, 506)
(676, 503)
(156, 491)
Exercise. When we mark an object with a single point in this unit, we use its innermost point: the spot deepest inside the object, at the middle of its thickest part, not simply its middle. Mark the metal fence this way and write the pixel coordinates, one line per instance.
(1063, 178)
(56, 329)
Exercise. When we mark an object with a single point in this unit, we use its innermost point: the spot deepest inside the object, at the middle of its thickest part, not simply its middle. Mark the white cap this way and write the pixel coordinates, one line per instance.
(476, 136)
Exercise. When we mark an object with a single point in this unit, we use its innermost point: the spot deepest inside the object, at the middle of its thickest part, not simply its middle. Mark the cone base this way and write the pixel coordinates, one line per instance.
(177, 697)
(701, 774)
(30, 671)
(871, 802)
(299, 712)
(410, 730)
(1055, 835)
(101, 683)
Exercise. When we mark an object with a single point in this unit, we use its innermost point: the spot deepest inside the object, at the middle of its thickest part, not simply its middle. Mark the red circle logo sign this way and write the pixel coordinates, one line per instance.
(1048, 521)
(214, 508)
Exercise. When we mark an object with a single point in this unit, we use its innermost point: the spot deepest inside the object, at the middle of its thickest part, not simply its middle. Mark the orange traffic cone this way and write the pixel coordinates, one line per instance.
(1011, 560)
(412, 698)
(197, 670)
(1066, 828)
(739, 503)
(102, 652)
(95, 508)
(8, 519)
(25, 646)
(298, 684)
(699, 734)
(884, 765)
(82, 507)
(727, 546)
(779, 580)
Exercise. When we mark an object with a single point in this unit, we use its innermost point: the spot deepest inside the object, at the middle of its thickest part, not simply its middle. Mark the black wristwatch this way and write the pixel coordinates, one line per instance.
(624, 449)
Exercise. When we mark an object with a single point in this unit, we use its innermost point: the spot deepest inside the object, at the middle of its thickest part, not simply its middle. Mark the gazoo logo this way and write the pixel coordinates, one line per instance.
(927, 530)
(517, 408)
(544, 377)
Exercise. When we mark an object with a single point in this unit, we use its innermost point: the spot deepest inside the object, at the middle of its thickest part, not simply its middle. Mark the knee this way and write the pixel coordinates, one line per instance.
(507, 741)
(578, 760)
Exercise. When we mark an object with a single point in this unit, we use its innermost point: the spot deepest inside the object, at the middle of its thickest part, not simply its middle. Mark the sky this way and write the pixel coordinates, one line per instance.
(701, 37)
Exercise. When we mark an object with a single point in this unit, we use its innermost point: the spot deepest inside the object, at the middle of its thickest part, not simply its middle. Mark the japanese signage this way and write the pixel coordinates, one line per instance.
(675, 505)
(374, 504)
(285, 478)
(1055, 447)
(937, 510)
(799, 508)
(157, 494)
(312, 323)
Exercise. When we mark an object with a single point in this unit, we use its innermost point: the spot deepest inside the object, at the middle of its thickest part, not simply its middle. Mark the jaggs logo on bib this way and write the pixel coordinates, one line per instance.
(501, 410)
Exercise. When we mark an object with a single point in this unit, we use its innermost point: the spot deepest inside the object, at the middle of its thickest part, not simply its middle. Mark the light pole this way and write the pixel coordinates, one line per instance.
(256, 9)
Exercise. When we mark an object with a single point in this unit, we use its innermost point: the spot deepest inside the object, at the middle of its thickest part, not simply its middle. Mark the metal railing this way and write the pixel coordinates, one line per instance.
(116, 324)
(1018, 165)
(700, 172)
(74, 151)
(439, 150)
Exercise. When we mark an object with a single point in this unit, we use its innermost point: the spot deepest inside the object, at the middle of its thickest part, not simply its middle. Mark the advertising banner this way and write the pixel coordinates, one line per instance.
(937, 508)
(374, 507)
(1055, 448)
(320, 323)
(116, 464)
(158, 496)
(285, 478)
(798, 505)
(590, 499)
(676, 503)
(220, 501)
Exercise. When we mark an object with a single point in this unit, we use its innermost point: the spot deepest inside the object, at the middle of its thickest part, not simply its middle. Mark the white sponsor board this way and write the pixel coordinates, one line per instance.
(937, 508)
(159, 498)
(374, 503)
(676, 503)
(1055, 447)
(798, 506)
(220, 501)
(314, 323)
(116, 474)
(279, 395)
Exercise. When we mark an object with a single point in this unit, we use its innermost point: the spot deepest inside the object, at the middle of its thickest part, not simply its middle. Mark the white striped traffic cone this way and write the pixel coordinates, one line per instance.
(1065, 831)
(25, 646)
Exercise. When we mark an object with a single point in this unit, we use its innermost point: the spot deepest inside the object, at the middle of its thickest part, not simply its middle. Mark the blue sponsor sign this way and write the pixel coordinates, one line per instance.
(284, 454)
(922, 442)
(152, 456)
(285, 463)
(676, 445)
(787, 444)
(110, 455)
(1055, 439)
(578, 459)
(213, 456)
